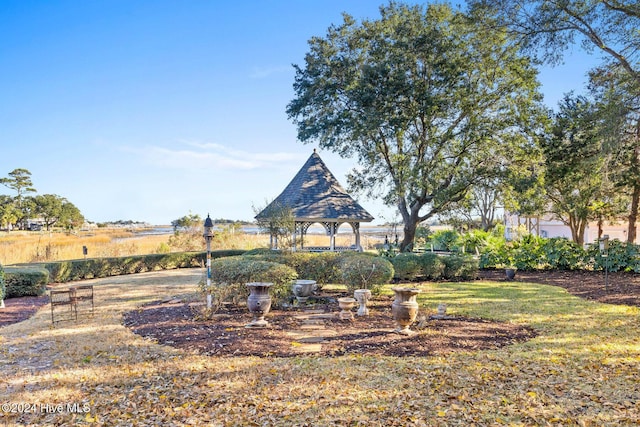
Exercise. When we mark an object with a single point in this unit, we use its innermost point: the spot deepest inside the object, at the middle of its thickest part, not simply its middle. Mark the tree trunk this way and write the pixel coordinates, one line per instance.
(409, 235)
(600, 223)
(635, 197)
(581, 226)
(410, 219)
(633, 214)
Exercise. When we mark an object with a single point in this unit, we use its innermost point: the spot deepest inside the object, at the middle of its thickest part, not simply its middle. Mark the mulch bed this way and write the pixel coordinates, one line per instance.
(616, 288)
(177, 323)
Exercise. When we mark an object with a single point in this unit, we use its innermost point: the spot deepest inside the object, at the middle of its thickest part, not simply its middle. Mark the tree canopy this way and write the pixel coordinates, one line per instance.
(550, 27)
(574, 164)
(547, 28)
(50, 208)
(427, 100)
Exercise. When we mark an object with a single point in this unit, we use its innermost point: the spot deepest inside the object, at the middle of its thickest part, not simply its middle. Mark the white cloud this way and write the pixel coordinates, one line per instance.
(205, 155)
(264, 72)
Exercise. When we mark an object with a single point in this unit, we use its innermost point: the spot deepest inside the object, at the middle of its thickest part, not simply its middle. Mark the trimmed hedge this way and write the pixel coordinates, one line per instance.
(406, 266)
(230, 275)
(351, 268)
(430, 266)
(460, 267)
(323, 267)
(25, 281)
(365, 271)
(94, 268)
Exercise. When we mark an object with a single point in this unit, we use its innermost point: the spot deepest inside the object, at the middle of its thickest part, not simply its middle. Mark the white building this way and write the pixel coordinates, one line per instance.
(548, 227)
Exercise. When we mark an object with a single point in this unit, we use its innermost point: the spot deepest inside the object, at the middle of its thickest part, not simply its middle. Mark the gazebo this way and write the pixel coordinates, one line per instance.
(314, 195)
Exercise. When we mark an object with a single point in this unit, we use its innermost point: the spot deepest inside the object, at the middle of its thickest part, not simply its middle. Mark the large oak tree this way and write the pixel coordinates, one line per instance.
(427, 100)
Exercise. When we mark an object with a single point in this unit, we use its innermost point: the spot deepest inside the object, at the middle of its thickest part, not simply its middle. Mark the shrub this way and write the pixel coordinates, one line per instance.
(406, 266)
(563, 254)
(446, 240)
(460, 267)
(360, 271)
(494, 254)
(322, 267)
(25, 281)
(431, 266)
(423, 233)
(622, 256)
(528, 253)
(262, 251)
(474, 241)
(229, 276)
(80, 269)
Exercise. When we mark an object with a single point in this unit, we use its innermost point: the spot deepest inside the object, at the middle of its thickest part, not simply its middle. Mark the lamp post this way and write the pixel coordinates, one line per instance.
(604, 251)
(208, 235)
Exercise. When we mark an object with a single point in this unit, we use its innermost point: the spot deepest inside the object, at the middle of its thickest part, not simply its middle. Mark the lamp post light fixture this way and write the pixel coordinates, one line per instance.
(604, 251)
(208, 236)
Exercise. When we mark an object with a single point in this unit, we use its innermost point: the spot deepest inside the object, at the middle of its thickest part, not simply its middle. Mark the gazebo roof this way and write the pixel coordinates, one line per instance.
(314, 194)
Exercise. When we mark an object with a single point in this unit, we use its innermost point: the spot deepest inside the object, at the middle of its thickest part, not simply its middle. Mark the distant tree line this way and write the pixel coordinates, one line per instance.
(46, 210)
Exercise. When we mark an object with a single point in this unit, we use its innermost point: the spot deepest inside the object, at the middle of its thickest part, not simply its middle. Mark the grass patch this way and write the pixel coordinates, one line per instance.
(581, 370)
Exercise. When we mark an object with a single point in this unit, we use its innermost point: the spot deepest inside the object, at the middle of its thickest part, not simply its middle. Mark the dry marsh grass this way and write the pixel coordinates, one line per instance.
(580, 370)
(24, 247)
(20, 247)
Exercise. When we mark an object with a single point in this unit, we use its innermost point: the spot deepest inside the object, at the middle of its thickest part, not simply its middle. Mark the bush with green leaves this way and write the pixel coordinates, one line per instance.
(431, 266)
(446, 240)
(25, 281)
(230, 275)
(460, 267)
(621, 256)
(423, 234)
(323, 267)
(412, 267)
(526, 253)
(406, 266)
(563, 254)
(474, 241)
(361, 271)
(93, 268)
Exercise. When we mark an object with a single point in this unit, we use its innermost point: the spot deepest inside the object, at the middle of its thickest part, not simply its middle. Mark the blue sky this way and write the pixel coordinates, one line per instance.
(149, 110)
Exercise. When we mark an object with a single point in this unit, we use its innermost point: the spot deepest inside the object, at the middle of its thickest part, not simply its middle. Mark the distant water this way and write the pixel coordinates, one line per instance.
(320, 230)
(252, 229)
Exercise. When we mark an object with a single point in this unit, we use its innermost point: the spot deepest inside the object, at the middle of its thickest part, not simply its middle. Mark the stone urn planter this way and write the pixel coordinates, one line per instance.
(259, 303)
(346, 304)
(510, 272)
(303, 289)
(405, 309)
(362, 296)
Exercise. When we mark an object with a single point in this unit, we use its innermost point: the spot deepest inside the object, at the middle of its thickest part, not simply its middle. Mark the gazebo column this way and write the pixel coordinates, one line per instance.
(356, 229)
(332, 239)
(295, 235)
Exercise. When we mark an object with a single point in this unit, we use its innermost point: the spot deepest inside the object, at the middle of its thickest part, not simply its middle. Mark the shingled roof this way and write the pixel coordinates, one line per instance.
(314, 194)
